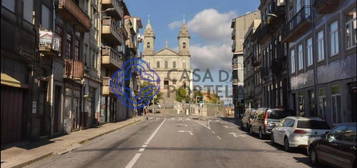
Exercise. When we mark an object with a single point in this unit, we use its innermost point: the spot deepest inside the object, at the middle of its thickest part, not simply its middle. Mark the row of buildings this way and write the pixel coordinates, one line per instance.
(300, 55)
(57, 58)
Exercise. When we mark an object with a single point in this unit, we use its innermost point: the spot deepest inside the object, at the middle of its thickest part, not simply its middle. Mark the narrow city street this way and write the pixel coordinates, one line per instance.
(170, 142)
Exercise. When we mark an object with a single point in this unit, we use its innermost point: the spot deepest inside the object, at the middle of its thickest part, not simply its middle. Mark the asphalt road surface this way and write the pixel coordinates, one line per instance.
(178, 142)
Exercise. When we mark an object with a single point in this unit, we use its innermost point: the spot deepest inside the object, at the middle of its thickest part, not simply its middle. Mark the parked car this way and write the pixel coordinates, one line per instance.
(336, 148)
(247, 116)
(296, 131)
(265, 120)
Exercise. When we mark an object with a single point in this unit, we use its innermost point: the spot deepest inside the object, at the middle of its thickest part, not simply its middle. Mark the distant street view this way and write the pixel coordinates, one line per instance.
(178, 84)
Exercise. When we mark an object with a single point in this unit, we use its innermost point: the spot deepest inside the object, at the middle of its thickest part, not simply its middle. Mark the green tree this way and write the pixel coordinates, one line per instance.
(197, 96)
(182, 95)
(147, 93)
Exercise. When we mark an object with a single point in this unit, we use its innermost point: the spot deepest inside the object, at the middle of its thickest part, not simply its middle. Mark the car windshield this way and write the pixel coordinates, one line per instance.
(313, 124)
(277, 114)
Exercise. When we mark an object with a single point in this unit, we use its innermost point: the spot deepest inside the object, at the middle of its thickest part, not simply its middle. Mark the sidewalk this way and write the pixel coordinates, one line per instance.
(15, 157)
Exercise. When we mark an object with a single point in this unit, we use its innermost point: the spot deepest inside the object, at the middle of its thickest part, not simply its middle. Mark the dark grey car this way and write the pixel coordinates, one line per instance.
(265, 120)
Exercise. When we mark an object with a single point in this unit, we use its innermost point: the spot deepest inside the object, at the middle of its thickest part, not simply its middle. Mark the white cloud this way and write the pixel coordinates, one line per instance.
(175, 24)
(211, 56)
(212, 25)
(214, 28)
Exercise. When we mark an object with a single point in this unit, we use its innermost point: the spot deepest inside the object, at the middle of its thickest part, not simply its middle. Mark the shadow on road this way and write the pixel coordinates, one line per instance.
(306, 161)
(231, 120)
(280, 147)
(30, 144)
(179, 149)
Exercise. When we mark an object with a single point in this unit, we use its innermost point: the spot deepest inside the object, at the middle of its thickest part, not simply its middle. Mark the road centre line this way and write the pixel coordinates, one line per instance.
(138, 155)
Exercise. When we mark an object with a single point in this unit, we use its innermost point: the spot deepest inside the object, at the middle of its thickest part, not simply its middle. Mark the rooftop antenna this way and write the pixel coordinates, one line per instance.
(166, 44)
(149, 19)
(184, 19)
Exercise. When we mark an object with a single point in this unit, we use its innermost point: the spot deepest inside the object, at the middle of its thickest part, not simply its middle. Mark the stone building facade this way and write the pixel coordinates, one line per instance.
(173, 67)
(240, 26)
(322, 58)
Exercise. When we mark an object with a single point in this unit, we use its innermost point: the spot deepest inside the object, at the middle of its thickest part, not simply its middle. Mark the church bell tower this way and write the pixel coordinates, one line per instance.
(184, 41)
(149, 40)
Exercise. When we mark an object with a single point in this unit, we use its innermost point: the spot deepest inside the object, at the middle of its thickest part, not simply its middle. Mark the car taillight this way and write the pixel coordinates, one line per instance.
(299, 132)
(266, 119)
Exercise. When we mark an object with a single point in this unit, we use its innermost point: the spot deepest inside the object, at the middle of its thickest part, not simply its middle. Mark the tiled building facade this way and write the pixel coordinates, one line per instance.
(306, 53)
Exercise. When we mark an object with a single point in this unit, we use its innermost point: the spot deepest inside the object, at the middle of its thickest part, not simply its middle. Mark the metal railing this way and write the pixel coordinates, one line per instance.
(303, 15)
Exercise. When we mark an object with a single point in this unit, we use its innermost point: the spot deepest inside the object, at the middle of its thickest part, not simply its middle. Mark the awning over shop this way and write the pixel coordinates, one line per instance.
(11, 81)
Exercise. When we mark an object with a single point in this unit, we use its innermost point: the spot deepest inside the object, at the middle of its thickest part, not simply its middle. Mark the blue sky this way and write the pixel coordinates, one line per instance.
(164, 12)
(209, 23)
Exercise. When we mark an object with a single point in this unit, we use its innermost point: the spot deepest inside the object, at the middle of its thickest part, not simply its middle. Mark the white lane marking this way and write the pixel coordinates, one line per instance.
(209, 127)
(184, 125)
(182, 131)
(202, 125)
(154, 133)
(137, 155)
(133, 161)
(234, 134)
(227, 126)
(213, 132)
(219, 137)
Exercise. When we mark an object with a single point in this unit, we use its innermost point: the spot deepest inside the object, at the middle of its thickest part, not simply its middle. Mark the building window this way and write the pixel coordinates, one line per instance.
(9, 4)
(334, 42)
(298, 5)
(174, 64)
(309, 52)
(292, 60)
(27, 9)
(76, 50)
(184, 45)
(301, 57)
(68, 49)
(158, 64)
(351, 29)
(322, 107)
(166, 64)
(307, 3)
(148, 45)
(320, 46)
(45, 17)
(336, 108)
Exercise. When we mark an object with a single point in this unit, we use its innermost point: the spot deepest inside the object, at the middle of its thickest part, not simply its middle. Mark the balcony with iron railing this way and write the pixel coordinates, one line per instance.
(112, 30)
(279, 59)
(276, 13)
(111, 58)
(264, 72)
(73, 69)
(326, 6)
(298, 24)
(113, 4)
(71, 12)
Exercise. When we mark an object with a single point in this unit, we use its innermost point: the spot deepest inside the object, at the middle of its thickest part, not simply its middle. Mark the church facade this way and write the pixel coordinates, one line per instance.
(173, 67)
